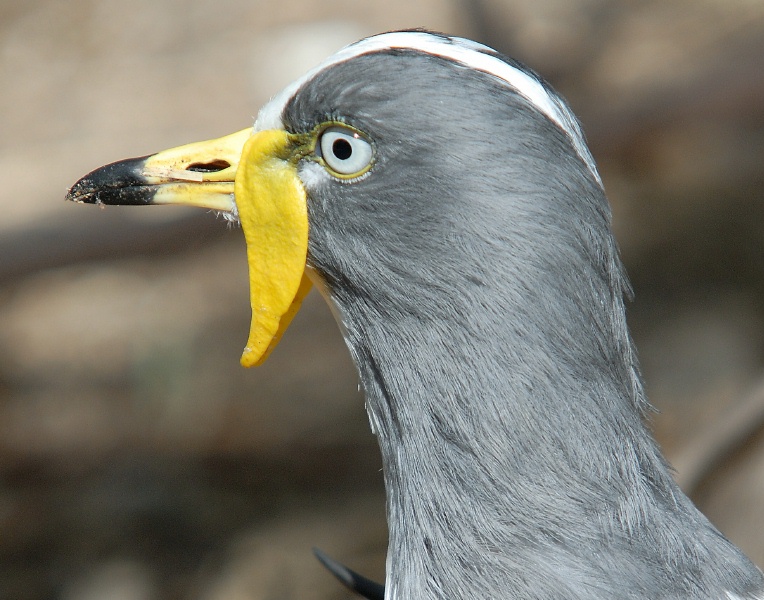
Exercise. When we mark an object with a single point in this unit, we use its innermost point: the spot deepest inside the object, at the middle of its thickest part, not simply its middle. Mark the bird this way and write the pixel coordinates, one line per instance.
(442, 198)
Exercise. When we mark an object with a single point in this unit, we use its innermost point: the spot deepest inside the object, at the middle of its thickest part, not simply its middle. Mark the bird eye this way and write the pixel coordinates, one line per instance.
(345, 151)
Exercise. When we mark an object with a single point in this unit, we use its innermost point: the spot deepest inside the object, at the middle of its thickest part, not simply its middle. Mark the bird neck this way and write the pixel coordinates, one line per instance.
(540, 480)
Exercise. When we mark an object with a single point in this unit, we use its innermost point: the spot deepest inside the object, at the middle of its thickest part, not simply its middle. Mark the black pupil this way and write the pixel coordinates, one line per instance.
(342, 149)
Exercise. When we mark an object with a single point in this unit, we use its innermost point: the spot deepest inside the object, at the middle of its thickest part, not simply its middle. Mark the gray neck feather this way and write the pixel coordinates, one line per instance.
(481, 296)
(515, 458)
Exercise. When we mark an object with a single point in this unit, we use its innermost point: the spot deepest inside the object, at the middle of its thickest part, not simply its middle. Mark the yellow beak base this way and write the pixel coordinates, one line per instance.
(272, 207)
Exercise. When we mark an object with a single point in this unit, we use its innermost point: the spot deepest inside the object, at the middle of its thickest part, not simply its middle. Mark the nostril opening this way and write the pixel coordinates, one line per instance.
(209, 167)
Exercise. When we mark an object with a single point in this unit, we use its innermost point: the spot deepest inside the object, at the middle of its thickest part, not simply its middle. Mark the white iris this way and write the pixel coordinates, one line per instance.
(345, 151)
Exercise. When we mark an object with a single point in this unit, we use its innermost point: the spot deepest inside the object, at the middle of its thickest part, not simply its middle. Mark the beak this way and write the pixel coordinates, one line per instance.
(200, 174)
(252, 176)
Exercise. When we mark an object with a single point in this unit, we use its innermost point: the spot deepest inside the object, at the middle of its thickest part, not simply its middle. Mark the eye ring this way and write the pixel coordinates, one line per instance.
(344, 152)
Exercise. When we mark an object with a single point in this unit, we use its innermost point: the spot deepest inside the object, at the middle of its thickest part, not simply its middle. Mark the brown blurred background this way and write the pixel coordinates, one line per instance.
(138, 461)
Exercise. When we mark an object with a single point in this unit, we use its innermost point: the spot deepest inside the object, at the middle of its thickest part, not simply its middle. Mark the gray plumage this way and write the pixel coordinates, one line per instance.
(480, 292)
(478, 286)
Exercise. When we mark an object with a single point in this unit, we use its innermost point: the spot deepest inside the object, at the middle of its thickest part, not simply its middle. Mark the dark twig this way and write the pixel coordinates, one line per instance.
(357, 583)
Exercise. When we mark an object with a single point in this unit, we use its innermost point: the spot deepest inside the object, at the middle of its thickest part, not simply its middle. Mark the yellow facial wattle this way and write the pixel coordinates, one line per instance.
(272, 207)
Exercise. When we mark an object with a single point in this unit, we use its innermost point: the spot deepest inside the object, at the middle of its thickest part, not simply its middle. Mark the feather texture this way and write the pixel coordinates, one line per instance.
(480, 293)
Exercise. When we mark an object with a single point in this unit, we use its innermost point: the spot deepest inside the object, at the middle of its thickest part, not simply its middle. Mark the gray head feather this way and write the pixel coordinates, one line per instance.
(480, 291)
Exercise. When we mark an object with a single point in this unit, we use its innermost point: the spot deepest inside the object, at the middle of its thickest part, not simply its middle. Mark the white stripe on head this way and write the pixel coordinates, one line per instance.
(465, 52)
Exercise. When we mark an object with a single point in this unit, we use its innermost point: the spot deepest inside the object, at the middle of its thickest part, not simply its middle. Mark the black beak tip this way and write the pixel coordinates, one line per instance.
(120, 182)
(83, 192)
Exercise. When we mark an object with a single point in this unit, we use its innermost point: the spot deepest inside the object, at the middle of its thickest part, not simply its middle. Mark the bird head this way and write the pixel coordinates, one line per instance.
(407, 160)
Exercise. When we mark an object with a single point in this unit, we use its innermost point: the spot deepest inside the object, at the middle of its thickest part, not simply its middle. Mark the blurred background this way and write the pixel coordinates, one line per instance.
(138, 461)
